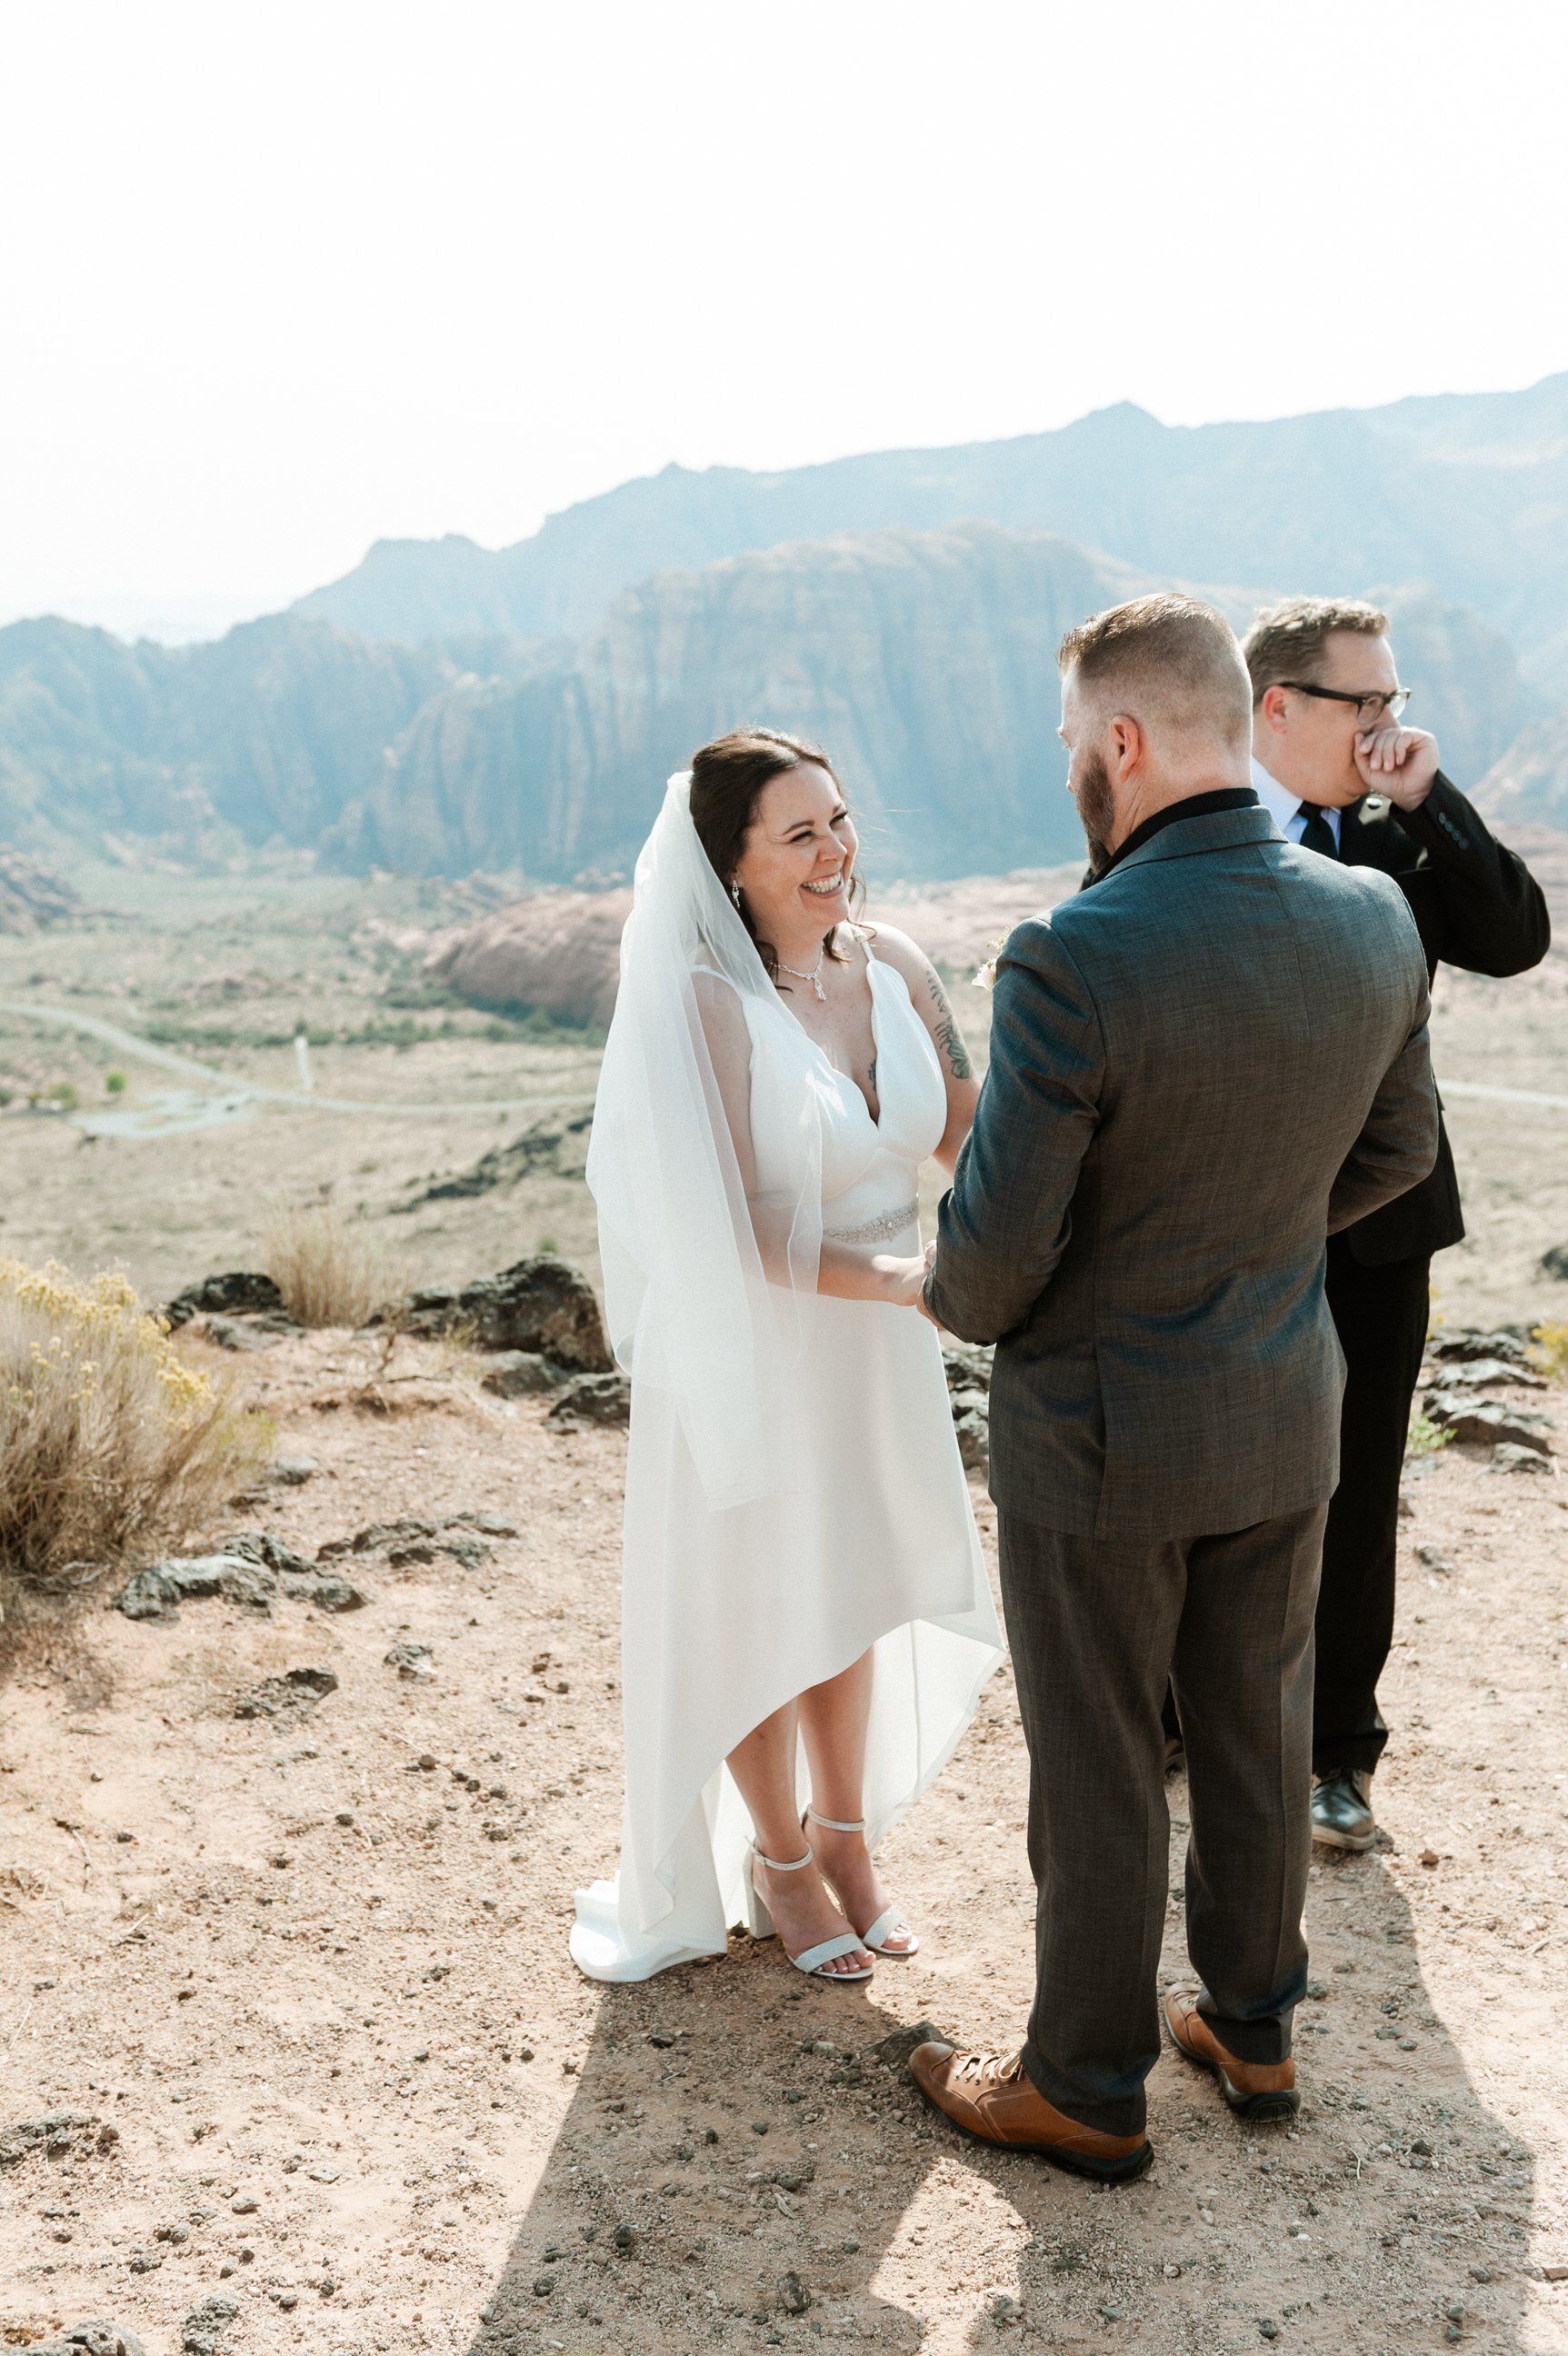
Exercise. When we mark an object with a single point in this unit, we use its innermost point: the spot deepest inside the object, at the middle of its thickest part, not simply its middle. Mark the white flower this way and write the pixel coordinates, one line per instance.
(985, 974)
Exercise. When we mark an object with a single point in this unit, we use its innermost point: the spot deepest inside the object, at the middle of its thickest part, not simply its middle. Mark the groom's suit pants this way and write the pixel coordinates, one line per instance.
(1096, 1626)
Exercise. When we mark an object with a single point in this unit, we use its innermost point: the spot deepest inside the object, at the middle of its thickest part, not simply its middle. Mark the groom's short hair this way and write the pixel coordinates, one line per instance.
(1165, 658)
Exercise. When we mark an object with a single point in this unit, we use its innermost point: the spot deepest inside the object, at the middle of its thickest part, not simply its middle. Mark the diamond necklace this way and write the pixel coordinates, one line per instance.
(814, 977)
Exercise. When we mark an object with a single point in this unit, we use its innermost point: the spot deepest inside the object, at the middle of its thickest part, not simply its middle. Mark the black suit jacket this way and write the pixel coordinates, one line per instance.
(1476, 905)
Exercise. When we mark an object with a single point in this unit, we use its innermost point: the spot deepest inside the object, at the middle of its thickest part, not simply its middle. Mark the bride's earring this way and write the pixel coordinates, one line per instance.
(734, 892)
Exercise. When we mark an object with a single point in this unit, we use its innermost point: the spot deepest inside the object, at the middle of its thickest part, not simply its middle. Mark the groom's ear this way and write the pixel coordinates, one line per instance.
(1127, 747)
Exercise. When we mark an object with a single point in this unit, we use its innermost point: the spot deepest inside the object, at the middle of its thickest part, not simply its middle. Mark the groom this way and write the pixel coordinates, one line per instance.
(1201, 1067)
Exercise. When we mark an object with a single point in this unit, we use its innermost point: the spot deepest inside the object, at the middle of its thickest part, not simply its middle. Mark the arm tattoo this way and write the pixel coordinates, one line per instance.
(946, 1030)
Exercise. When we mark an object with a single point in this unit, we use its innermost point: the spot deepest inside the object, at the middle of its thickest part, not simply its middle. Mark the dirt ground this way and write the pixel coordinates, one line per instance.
(308, 2001)
(313, 1977)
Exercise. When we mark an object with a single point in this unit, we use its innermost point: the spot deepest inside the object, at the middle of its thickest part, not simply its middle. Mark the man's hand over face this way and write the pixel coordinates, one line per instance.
(1398, 762)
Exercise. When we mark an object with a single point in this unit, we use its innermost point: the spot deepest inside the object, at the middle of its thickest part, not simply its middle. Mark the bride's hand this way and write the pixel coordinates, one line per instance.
(905, 1280)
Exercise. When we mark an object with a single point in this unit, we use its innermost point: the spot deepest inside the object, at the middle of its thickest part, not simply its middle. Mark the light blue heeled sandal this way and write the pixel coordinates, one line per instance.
(761, 1925)
(890, 1921)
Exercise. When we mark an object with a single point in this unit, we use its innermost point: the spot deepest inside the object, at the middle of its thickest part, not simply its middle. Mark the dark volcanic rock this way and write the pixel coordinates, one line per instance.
(558, 1143)
(266, 1546)
(897, 2048)
(521, 1374)
(158, 1593)
(1485, 1374)
(203, 2326)
(95, 2337)
(593, 1398)
(412, 1660)
(1467, 1343)
(59, 2135)
(242, 1290)
(1489, 1420)
(969, 1395)
(283, 1699)
(1555, 1262)
(967, 1366)
(408, 1541)
(254, 1569)
(541, 1305)
(1509, 1458)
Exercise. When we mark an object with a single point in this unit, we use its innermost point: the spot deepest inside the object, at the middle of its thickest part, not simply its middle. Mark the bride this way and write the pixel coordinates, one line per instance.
(806, 1618)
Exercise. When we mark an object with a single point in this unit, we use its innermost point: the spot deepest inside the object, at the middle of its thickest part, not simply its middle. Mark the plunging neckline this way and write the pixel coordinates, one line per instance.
(874, 1118)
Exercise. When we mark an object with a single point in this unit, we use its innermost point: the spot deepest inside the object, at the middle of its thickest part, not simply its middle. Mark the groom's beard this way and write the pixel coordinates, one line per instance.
(1096, 808)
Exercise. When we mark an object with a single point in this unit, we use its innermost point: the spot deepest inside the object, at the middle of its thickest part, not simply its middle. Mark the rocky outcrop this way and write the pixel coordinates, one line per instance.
(197, 752)
(924, 661)
(1529, 786)
(556, 1143)
(1468, 690)
(30, 898)
(502, 961)
(241, 1292)
(557, 950)
(541, 1306)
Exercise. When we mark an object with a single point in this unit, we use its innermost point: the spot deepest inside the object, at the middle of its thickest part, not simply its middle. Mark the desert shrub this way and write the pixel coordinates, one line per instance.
(1426, 1437)
(108, 1441)
(115, 1083)
(1551, 1351)
(331, 1271)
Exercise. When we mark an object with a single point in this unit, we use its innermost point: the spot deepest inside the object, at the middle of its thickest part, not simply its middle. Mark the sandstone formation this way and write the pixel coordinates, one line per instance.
(1530, 784)
(561, 951)
(558, 951)
(197, 752)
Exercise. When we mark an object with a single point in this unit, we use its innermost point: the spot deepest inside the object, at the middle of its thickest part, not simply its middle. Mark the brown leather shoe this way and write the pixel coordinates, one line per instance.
(995, 2099)
(1254, 2089)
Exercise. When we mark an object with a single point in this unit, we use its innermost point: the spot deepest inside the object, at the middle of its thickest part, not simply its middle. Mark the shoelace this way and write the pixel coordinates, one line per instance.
(1002, 2068)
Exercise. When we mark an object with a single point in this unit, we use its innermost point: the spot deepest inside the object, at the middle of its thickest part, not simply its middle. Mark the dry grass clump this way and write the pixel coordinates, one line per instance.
(108, 1441)
(331, 1270)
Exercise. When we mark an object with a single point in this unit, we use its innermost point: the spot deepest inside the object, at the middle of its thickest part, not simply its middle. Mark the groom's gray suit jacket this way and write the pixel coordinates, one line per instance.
(1200, 1067)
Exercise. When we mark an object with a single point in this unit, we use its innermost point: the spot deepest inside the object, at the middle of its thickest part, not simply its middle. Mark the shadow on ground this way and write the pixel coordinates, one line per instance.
(745, 2163)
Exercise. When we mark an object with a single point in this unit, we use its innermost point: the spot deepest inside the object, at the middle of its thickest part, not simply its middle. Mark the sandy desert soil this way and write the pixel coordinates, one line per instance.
(215, 966)
(378, 2041)
(304, 1986)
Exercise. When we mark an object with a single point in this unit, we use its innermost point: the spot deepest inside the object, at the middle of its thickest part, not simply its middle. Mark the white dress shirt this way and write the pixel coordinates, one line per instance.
(1285, 808)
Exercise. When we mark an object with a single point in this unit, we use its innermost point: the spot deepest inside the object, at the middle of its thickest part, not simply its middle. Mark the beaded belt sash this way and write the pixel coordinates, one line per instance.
(878, 1230)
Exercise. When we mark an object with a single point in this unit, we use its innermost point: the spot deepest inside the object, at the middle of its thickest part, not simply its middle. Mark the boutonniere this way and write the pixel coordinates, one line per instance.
(985, 974)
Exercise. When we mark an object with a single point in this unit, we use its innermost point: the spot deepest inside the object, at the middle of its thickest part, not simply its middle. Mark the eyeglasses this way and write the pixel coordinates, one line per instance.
(1369, 708)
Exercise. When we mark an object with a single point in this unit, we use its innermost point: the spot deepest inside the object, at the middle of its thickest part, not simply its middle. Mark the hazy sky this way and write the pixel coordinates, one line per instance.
(276, 281)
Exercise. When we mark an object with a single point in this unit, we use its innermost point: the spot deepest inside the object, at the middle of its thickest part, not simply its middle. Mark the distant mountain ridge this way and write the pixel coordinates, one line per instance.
(446, 706)
(1466, 493)
(925, 662)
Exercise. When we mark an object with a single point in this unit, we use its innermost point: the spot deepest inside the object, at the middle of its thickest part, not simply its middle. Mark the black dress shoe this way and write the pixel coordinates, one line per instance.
(1342, 1809)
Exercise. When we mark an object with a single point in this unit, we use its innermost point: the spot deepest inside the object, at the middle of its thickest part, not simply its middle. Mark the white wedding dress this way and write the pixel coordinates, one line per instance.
(864, 1537)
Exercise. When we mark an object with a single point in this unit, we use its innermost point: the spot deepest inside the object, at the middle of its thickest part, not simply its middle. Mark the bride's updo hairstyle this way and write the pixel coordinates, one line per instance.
(727, 775)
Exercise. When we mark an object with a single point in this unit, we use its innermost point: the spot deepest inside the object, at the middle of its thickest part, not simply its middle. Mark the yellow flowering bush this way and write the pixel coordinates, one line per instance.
(108, 1441)
(1551, 1348)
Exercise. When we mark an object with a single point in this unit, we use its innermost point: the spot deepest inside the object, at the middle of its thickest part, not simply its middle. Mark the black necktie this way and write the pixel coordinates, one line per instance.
(1317, 834)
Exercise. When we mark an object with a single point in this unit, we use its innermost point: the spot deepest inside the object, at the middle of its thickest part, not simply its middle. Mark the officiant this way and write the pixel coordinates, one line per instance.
(1334, 763)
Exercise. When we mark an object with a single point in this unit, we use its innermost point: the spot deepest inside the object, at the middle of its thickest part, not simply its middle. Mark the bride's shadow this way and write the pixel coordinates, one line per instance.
(744, 2150)
(714, 2180)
